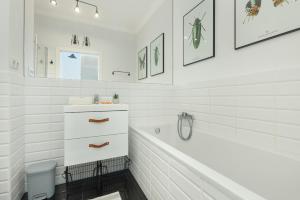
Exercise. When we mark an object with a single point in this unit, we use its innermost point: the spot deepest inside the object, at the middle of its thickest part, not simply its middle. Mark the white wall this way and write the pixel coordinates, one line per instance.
(160, 22)
(12, 168)
(117, 49)
(16, 34)
(4, 102)
(16, 117)
(4, 136)
(11, 101)
(4, 33)
(278, 53)
(260, 110)
(248, 96)
(17, 149)
(29, 39)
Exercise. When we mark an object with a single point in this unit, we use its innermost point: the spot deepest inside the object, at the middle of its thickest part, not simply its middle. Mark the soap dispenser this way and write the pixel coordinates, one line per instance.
(96, 99)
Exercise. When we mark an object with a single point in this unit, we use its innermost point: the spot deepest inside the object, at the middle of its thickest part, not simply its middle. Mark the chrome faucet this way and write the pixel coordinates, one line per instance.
(190, 119)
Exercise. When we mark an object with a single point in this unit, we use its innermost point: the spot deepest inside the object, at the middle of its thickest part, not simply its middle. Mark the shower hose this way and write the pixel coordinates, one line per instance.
(190, 119)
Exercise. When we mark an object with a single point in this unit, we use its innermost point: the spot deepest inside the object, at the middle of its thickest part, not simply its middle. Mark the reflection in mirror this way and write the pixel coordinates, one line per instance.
(79, 66)
(97, 40)
(71, 65)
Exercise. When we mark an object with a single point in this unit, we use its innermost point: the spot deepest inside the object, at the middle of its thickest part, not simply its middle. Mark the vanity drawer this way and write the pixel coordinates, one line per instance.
(78, 151)
(91, 124)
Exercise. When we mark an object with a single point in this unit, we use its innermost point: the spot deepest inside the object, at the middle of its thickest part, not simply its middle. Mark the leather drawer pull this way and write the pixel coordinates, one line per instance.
(99, 120)
(98, 146)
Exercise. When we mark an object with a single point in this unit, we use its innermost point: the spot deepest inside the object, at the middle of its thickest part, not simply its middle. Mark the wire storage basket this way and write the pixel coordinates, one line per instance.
(87, 175)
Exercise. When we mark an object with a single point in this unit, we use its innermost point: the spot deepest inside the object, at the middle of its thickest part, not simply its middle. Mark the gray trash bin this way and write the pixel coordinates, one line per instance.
(41, 180)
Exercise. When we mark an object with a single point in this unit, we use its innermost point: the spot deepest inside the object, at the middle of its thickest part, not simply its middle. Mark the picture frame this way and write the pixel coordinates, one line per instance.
(143, 63)
(197, 21)
(157, 55)
(254, 21)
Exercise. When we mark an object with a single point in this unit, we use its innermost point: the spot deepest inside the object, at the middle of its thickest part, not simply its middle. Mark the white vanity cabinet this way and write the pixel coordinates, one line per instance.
(95, 132)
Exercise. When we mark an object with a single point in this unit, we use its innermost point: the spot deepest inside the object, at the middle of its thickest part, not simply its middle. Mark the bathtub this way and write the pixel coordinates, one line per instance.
(208, 168)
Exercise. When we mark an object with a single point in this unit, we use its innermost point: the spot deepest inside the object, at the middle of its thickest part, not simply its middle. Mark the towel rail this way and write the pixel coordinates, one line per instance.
(122, 72)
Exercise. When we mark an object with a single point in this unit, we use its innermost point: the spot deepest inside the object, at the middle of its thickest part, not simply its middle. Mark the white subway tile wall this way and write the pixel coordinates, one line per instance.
(17, 147)
(4, 136)
(45, 98)
(11, 136)
(260, 110)
(261, 113)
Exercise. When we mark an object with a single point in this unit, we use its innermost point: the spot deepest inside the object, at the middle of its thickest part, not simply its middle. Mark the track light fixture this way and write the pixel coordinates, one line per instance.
(53, 2)
(77, 9)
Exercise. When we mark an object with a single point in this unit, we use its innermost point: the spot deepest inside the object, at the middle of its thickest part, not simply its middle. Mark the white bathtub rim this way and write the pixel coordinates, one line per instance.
(224, 184)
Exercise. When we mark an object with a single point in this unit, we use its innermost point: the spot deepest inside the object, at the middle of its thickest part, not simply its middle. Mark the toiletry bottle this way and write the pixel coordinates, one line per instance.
(96, 99)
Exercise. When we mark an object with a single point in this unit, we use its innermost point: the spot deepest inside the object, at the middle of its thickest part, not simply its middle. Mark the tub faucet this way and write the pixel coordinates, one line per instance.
(190, 119)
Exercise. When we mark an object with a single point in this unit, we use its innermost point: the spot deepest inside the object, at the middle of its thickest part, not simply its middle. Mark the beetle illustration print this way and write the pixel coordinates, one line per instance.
(252, 9)
(197, 31)
(142, 62)
(279, 2)
(156, 55)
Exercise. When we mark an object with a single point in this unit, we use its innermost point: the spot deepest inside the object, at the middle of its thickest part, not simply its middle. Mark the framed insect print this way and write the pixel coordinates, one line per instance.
(199, 33)
(157, 54)
(142, 63)
(257, 20)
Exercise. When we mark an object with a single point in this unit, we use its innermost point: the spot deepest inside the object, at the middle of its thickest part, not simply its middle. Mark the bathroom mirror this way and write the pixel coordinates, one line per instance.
(99, 40)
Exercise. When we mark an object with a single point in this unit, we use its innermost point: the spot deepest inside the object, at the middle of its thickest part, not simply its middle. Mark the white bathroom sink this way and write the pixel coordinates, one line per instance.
(95, 107)
(80, 100)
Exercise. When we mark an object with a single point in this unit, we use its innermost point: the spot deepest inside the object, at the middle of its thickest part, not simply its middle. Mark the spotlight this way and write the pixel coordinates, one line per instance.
(74, 40)
(53, 2)
(77, 10)
(97, 13)
(86, 42)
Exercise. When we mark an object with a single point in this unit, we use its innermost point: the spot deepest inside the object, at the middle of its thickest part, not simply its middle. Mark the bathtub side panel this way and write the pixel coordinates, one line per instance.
(162, 177)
